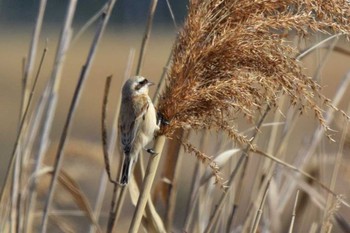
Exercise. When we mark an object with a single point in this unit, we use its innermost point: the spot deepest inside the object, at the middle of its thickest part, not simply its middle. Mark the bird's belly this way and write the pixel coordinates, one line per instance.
(149, 127)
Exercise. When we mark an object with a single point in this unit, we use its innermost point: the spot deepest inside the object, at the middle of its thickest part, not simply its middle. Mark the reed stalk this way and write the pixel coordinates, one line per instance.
(111, 147)
(147, 184)
(16, 159)
(146, 36)
(30, 62)
(291, 226)
(116, 207)
(74, 103)
(231, 61)
(241, 159)
(260, 210)
(50, 94)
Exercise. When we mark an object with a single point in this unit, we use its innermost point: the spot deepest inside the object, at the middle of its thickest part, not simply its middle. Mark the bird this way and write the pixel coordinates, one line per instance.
(137, 123)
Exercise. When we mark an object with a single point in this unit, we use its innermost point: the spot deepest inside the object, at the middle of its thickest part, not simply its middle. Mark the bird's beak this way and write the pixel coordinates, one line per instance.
(150, 83)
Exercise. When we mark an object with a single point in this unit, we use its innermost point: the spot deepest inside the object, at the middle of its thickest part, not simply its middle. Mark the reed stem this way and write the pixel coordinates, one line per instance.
(147, 184)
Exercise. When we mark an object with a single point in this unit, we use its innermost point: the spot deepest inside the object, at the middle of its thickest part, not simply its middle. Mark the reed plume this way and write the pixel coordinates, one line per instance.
(234, 57)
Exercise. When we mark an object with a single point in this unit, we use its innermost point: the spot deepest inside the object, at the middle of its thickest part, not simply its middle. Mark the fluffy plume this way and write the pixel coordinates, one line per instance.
(232, 58)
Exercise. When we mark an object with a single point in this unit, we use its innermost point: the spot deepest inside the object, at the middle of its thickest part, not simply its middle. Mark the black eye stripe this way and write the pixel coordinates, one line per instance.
(143, 82)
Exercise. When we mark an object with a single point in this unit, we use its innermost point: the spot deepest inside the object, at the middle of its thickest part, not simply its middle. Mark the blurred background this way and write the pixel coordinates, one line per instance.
(123, 36)
(126, 13)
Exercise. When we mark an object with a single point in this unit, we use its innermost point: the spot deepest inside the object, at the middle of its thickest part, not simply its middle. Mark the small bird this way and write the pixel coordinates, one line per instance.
(137, 122)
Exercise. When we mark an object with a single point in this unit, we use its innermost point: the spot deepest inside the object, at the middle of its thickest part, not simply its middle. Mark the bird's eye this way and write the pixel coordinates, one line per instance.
(143, 82)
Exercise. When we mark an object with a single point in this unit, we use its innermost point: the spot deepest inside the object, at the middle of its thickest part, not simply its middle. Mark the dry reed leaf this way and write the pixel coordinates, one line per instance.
(307, 175)
(151, 220)
(154, 221)
(220, 161)
(134, 191)
(79, 197)
(62, 224)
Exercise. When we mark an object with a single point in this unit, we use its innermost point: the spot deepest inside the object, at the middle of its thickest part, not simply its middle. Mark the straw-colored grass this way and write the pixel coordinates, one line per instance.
(233, 65)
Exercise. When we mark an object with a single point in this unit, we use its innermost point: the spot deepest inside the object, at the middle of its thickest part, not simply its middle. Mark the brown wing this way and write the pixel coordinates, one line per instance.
(130, 119)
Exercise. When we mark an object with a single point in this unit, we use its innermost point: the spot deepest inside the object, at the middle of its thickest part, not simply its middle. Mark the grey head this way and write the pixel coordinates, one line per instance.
(136, 85)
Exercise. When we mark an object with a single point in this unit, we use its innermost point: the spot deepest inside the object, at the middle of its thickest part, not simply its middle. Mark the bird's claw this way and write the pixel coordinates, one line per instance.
(162, 120)
(151, 152)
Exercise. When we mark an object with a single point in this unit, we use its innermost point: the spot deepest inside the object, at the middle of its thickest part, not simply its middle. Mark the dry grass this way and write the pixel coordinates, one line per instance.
(232, 65)
(233, 58)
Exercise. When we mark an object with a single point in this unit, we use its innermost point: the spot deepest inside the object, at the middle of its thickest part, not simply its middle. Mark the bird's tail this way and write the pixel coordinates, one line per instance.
(126, 170)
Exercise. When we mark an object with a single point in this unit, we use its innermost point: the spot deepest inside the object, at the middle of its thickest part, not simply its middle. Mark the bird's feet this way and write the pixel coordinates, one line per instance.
(161, 120)
(151, 152)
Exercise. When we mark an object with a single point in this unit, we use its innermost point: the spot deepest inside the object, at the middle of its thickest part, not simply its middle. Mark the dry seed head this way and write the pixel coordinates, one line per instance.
(232, 58)
(206, 160)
